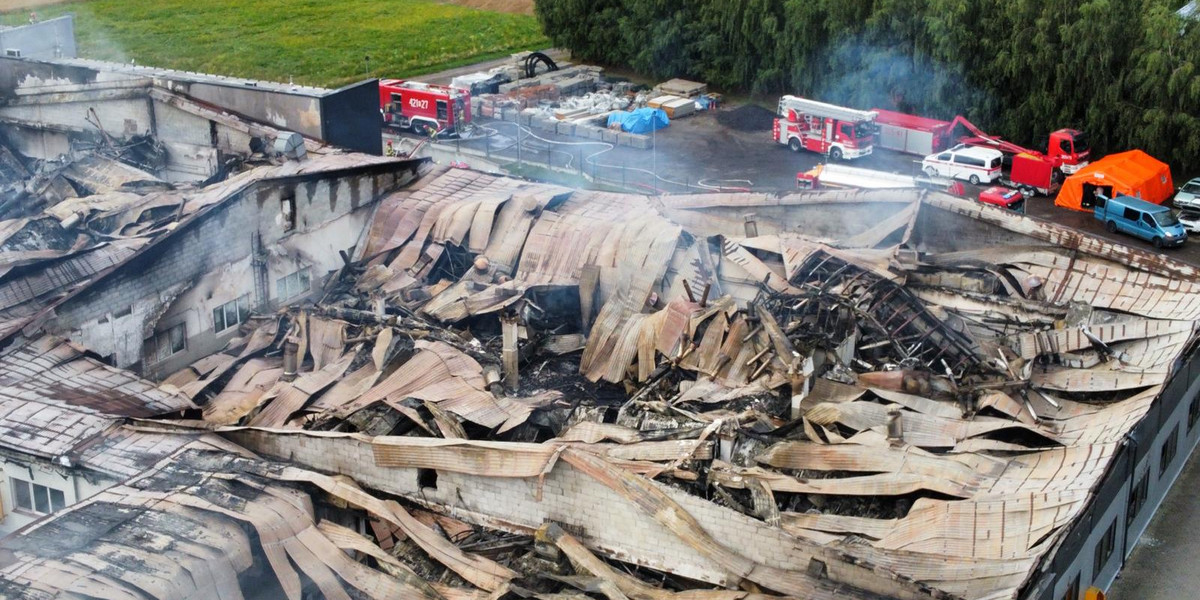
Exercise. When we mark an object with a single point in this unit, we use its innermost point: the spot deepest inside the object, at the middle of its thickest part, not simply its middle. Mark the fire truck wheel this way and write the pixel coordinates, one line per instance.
(1028, 192)
(1111, 226)
(835, 154)
(794, 144)
(974, 179)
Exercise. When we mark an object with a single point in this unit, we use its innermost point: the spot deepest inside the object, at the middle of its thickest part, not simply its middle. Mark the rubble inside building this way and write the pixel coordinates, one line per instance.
(79, 195)
(511, 389)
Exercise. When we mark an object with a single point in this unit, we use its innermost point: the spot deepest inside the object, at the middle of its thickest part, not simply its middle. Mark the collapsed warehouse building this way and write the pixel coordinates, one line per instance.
(817, 395)
(103, 168)
(378, 378)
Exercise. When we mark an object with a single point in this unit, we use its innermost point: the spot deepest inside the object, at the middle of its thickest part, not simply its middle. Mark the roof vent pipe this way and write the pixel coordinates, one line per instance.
(895, 427)
(290, 145)
(290, 359)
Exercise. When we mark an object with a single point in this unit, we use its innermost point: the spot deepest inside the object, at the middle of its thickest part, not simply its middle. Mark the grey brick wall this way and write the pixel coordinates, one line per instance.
(219, 238)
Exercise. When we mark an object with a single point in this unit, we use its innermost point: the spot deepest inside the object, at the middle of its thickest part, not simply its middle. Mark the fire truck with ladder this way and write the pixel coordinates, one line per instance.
(836, 131)
(424, 108)
(1031, 171)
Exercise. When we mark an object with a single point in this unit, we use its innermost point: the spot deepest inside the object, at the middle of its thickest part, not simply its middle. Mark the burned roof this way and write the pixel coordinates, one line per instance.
(930, 386)
(914, 394)
(56, 401)
(213, 522)
(191, 528)
(68, 239)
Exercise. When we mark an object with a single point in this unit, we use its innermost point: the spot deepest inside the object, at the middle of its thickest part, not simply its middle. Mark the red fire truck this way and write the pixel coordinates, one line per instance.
(836, 131)
(1030, 170)
(425, 108)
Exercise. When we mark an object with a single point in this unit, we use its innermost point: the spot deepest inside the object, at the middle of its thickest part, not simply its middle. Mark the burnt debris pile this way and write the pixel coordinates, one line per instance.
(861, 384)
(747, 117)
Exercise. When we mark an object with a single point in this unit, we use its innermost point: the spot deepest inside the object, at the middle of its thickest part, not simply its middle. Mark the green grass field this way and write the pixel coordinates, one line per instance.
(314, 42)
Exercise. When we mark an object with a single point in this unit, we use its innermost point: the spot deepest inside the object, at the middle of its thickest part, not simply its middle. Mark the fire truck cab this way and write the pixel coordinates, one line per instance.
(425, 108)
(1069, 149)
(836, 131)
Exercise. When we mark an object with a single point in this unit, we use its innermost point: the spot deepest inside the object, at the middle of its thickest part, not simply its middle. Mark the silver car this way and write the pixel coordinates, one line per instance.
(1188, 196)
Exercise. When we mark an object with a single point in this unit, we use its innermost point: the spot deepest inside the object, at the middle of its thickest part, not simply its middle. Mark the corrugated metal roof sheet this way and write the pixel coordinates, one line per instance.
(159, 538)
(53, 398)
(64, 274)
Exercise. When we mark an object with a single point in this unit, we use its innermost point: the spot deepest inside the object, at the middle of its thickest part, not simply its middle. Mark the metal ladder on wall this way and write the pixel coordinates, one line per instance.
(258, 264)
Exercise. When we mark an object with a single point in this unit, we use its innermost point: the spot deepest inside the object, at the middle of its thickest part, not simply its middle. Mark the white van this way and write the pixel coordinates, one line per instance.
(975, 164)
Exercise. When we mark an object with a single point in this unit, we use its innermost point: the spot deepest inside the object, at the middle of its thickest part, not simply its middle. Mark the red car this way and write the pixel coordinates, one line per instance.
(1004, 197)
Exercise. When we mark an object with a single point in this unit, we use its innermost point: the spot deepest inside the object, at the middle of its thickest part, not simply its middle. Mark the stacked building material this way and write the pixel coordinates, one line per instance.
(674, 106)
(683, 88)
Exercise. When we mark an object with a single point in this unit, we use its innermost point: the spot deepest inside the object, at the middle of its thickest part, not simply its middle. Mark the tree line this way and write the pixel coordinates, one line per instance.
(1125, 71)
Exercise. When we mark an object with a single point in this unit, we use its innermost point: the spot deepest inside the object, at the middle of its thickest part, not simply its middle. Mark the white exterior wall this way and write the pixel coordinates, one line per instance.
(75, 485)
(210, 263)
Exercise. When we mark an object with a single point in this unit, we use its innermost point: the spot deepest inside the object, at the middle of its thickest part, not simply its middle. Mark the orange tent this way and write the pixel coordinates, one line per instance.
(1132, 173)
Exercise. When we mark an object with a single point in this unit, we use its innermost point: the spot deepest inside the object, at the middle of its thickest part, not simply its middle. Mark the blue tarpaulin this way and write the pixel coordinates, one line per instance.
(642, 120)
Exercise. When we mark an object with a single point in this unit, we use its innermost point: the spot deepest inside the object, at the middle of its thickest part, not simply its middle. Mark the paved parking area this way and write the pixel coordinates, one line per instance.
(697, 153)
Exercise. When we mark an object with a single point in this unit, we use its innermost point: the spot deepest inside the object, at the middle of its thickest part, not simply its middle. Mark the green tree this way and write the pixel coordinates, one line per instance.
(1125, 71)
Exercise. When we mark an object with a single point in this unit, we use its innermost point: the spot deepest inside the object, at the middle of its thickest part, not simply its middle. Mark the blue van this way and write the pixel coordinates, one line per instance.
(1146, 220)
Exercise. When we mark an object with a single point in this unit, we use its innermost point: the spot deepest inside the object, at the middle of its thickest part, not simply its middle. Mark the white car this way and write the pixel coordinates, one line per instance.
(1188, 196)
(1190, 219)
(974, 164)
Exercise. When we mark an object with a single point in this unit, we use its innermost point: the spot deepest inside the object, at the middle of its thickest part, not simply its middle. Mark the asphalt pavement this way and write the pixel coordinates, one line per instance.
(697, 154)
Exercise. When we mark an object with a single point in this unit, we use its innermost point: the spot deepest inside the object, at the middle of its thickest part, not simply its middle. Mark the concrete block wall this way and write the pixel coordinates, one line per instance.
(602, 518)
(299, 112)
(544, 124)
(220, 237)
(193, 143)
(119, 113)
(539, 122)
(634, 140)
(38, 143)
(331, 213)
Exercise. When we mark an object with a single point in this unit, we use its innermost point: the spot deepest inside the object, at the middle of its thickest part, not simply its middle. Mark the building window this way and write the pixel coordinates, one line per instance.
(1072, 592)
(290, 286)
(287, 212)
(1193, 413)
(231, 313)
(164, 344)
(1167, 453)
(1138, 496)
(1104, 549)
(37, 498)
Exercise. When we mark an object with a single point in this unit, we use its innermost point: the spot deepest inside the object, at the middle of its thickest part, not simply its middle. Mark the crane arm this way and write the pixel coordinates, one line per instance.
(979, 138)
